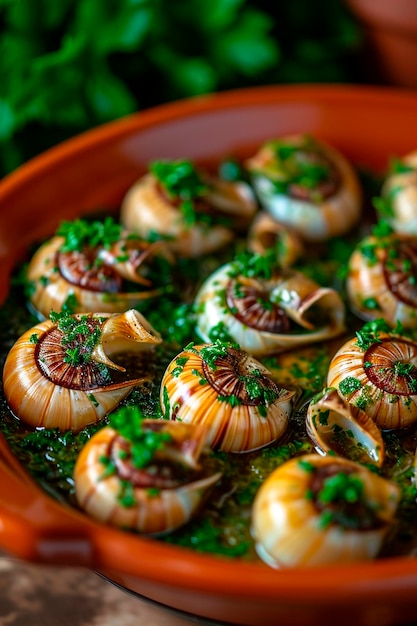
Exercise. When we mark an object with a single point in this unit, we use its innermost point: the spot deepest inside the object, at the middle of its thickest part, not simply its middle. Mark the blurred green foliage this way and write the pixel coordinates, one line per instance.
(68, 65)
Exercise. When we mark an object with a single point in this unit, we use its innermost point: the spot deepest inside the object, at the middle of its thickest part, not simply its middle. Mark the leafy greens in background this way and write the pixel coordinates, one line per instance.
(69, 65)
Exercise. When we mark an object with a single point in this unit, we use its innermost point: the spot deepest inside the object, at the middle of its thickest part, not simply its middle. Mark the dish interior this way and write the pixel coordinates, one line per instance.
(91, 175)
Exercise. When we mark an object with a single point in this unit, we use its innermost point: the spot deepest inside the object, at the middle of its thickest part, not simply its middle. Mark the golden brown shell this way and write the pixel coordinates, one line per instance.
(161, 496)
(379, 376)
(293, 527)
(51, 382)
(233, 395)
(92, 279)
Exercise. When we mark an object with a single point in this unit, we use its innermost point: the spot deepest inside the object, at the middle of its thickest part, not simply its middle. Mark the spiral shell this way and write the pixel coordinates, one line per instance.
(45, 389)
(381, 279)
(399, 191)
(232, 394)
(333, 429)
(293, 524)
(266, 316)
(93, 278)
(306, 185)
(147, 210)
(379, 378)
(265, 234)
(163, 496)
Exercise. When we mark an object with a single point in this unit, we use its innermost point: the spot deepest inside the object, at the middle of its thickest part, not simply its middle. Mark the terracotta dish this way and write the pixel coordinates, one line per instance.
(369, 125)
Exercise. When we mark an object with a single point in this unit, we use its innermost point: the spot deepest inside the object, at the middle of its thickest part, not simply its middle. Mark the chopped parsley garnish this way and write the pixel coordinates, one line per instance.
(128, 421)
(369, 333)
(182, 182)
(232, 400)
(397, 166)
(179, 178)
(219, 332)
(80, 335)
(341, 486)
(349, 385)
(342, 500)
(371, 304)
(383, 205)
(301, 165)
(254, 265)
(214, 351)
(82, 233)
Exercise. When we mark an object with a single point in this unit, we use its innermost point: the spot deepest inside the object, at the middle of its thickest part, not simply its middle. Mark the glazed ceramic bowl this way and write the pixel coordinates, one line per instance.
(369, 125)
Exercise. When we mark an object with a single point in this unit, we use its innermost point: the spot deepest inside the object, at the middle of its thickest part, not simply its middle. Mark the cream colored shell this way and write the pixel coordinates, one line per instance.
(400, 189)
(287, 526)
(302, 299)
(146, 211)
(313, 221)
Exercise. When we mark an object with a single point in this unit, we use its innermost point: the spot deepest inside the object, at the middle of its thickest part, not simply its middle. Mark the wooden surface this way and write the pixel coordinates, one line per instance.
(37, 595)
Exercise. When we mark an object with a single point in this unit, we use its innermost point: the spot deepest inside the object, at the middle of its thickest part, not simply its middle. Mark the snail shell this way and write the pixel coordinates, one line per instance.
(93, 277)
(147, 210)
(265, 233)
(326, 205)
(165, 494)
(43, 389)
(291, 526)
(268, 316)
(400, 191)
(234, 397)
(381, 279)
(379, 378)
(333, 429)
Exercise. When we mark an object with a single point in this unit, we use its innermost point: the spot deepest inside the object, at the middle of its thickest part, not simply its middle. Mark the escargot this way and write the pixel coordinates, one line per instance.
(334, 429)
(318, 510)
(307, 185)
(92, 266)
(381, 278)
(148, 477)
(266, 234)
(193, 211)
(57, 374)
(266, 309)
(230, 392)
(376, 372)
(398, 201)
